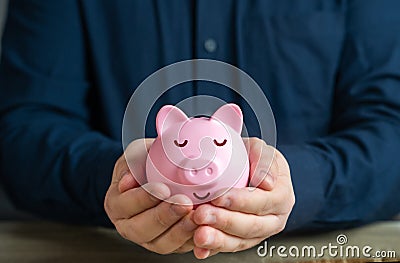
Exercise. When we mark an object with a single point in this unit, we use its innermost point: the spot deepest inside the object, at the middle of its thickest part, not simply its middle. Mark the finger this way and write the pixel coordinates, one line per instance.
(214, 240)
(120, 170)
(134, 201)
(201, 253)
(188, 246)
(207, 252)
(136, 152)
(257, 201)
(127, 182)
(238, 224)
(248, 200)
(135, 156)
(261, 157)
(175, 238)
(148, 225)
(213, 252)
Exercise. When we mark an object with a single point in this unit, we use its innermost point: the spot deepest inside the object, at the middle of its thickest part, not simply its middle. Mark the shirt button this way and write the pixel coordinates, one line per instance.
(210, 45)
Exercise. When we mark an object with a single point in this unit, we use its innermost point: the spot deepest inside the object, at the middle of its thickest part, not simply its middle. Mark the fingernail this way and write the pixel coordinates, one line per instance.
(209, 240)
(207, 253)
(180, 200)
(179, 210)
(119, 177)
(180, 204)
(124, 177)
(210, 219)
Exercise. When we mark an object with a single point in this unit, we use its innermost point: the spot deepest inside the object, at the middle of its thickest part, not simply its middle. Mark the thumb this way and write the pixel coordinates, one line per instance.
(122, 176)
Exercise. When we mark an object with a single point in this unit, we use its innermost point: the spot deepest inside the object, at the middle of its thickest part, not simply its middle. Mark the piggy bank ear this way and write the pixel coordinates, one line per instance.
(230, 114)
(168, 116)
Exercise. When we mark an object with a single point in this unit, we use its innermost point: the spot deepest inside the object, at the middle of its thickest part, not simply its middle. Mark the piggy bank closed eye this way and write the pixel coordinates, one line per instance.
(199, 157)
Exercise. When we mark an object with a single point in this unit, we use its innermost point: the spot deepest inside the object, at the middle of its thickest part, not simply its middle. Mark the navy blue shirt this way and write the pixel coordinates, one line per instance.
(330, 69)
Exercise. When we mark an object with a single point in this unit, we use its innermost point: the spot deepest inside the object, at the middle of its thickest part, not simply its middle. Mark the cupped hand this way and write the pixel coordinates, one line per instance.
(242, 218)
(158, 224)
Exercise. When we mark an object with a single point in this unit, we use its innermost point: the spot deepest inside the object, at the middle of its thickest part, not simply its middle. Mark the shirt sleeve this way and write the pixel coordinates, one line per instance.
(52, 161)
(352, 176)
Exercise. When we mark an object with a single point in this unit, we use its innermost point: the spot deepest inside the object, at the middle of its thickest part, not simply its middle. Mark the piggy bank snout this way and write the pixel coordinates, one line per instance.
(200, 175)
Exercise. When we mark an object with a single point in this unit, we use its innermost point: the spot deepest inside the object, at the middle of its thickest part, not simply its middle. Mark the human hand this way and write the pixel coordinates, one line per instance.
(242, 218)
(160, 226)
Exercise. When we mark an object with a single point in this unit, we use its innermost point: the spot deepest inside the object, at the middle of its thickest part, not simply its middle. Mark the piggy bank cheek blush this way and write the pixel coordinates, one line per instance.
(199, 157)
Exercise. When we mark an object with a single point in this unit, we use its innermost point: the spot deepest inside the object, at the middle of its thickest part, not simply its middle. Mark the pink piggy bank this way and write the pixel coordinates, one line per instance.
(199, 157)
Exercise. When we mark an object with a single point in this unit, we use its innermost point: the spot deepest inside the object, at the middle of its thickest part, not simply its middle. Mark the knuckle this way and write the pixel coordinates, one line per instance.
(292, 200)
(241, 246)
(107, 206)
(226, 223)
(263, 209)
(238, 202)
(279, 156)
(150, 246)
(274, 165)
(183, 250)
(289, 203)
(219, 243)
(281, 226)
(122, 231)
(136, 234)
(257, 145)
(120, 168)
(158, 247)
(119, 164)
(281, 163)
(256, 229)
(179, 238)
(123, 234)
(218, 246)
(269, 148)
(253, 140)
(160, 219)
(277, 203)
(161, 250)
(144, 198)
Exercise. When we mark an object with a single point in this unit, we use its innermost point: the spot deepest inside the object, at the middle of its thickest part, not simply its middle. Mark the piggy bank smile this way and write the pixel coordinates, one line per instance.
(201, 197)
